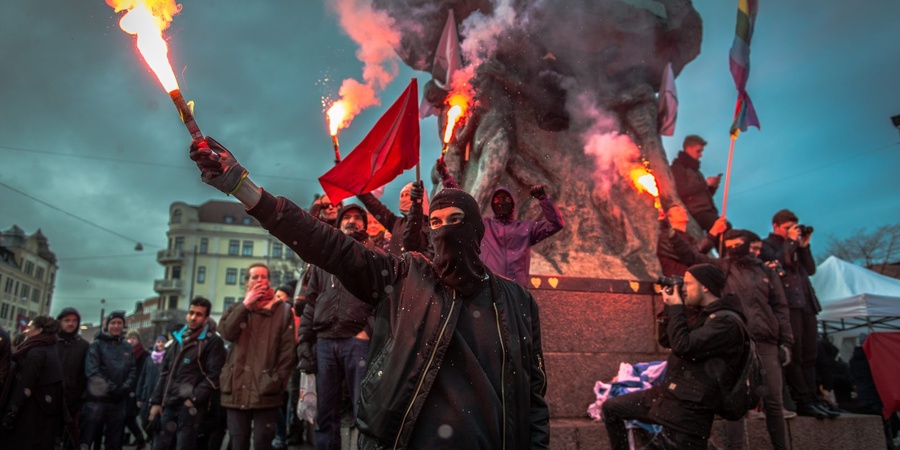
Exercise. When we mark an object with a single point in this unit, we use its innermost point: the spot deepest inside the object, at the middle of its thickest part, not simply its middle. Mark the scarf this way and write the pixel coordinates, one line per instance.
(157, 357)
(39, 340)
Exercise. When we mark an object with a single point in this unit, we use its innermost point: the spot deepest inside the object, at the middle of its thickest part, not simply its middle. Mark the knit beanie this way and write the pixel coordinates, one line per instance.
(710, 276)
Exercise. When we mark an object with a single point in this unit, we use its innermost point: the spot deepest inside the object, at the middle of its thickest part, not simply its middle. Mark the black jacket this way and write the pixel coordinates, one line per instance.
(147, 381)
(109, 368)
(331, 312)
(190, 370)
(691, 185)
(72, 353)
(762, 298)
(797, 265)
(705, 359)
(36, 398)
(414, 312)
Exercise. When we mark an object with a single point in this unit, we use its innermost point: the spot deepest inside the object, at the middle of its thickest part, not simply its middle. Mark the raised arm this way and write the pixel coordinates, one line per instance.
(381, 212)
(553, 221)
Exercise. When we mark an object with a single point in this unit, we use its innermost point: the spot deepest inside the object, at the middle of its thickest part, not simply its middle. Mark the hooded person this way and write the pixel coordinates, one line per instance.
(404, 237)
(441, 327)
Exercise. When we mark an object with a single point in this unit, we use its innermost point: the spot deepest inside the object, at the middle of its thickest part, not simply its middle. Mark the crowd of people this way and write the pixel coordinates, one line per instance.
(418, 327)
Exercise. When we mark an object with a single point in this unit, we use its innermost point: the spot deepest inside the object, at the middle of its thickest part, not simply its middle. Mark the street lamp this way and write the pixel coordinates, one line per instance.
(102, 311)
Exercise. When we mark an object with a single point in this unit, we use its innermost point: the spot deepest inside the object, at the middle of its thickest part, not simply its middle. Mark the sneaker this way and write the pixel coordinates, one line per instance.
(788, 414)
(755, 414)
(810, 410)
(830, 410)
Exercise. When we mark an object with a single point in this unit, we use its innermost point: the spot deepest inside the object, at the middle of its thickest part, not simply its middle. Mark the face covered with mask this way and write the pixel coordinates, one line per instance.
(739, 247)
(502, 204)
(456, 232)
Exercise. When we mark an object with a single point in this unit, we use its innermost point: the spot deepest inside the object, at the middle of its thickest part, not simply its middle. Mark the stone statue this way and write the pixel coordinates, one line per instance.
(566, 97)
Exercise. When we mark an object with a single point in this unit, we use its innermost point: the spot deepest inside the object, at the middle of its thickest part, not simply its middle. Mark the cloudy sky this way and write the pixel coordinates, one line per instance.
(86, 128)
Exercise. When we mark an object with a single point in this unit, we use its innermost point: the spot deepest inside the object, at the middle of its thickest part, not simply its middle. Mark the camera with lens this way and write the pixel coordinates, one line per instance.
(805, 230)
(670, 284)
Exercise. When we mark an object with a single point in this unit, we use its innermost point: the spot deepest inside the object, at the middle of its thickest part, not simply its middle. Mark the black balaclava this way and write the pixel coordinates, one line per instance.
(358, 235)
(505, 210)
(457, 248)
(740, 253)
(66, 312)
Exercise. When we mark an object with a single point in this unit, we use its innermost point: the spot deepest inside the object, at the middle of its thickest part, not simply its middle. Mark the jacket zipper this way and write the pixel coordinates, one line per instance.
(502, 372)
(425, 372)
(171, 369)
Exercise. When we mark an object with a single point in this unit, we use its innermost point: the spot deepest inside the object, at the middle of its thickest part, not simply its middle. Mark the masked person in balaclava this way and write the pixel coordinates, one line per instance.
(408, 232)
(506, 247)
(768, 319)
(334, 336)
(456, 359)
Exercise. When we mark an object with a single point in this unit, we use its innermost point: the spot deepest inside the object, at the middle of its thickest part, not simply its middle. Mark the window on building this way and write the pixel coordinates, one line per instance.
(229, 219)
(173, 302)
(39, 273)
(36, 296)
(277, 249)
(243, 275)
(179, 243)
(275, 278)
(234, 246)
(29, 267)
(228, 302)
(25, 292)
(247, 248)
(176, 216)
(3, 310)
(204, 246)
(247, 221)
(288, 253)
(8, 288)
(201, 275)
(48, 301)
(231, 276)
(176, 272)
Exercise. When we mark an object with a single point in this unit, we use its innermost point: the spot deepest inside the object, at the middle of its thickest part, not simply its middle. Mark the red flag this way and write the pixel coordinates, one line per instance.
(447, 60)
(667, 103)
(390, 148)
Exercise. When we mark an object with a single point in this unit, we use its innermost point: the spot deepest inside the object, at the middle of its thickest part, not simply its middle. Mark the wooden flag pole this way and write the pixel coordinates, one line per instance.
(728, 173)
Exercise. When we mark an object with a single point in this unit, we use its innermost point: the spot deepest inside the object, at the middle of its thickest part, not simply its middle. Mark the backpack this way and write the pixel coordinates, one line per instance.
(745, 394)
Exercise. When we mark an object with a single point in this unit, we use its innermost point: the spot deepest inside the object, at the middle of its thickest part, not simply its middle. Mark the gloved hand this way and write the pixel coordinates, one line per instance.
(306, 355)
(417, 192)
(784, 355)
(219, 170)
(442, 169)
(538, 192)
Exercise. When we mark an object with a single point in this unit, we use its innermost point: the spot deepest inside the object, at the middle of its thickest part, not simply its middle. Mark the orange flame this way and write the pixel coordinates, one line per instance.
(459, 104)
(147, 19)
(644, 181)
(337, 115)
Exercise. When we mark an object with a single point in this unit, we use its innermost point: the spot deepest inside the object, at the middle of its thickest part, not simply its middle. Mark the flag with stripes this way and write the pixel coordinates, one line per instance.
(739, 60)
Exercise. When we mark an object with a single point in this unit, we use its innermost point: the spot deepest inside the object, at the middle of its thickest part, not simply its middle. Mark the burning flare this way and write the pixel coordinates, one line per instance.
(459, 104)
(644, 181)
(337, 115)
(146, 19)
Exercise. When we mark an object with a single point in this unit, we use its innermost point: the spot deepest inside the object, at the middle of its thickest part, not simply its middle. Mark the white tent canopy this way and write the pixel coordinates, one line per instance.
(848, 291)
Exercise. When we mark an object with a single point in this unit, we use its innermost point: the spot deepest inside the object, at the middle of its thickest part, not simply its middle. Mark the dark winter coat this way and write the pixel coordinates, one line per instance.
(331, 312)
(147, 381)
(37, 399)
(506, 246)
(131, 408)
(669, 261)
(797, 265)
(691, 185)
(415, 318)
(72, 353)
(190, 370)
(109, 368)
(259, 364)
(705, 358)
(762, 298)
(5, 355)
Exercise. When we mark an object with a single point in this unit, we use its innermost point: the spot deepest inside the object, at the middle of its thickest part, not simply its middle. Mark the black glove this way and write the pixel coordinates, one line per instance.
(306, 355)
(442, 169)
(538, 192)
(153, 426)
(217, 165)
(417, 192)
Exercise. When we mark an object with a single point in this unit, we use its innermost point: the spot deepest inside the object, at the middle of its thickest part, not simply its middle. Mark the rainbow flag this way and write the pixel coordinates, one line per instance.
(739, 60)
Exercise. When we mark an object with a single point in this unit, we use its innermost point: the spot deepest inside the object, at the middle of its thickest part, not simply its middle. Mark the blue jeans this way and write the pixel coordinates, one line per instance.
(339, 360)
(97, 415)
(179, 424)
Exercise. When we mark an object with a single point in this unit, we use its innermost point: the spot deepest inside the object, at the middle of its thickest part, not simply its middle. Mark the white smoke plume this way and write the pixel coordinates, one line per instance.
(373, 30)
(479, 40)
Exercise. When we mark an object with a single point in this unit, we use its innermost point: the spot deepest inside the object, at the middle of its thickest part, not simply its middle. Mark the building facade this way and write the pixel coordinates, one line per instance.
(27, 277)
(209, 249)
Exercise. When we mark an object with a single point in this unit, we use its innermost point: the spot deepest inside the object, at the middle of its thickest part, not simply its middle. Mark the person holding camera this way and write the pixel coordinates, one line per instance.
(705, 353)
(787, 250)
(768, 320)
